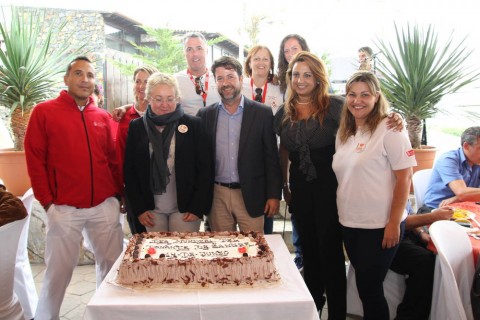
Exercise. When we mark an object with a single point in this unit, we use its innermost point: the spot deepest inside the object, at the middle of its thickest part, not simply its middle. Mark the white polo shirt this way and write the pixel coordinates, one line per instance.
(364, 167)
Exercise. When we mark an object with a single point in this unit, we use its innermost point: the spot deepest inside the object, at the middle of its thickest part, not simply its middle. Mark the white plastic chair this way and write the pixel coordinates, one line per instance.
(24, 285)
(420, 182)
(393, 287)
(10, 307)
(454, 272)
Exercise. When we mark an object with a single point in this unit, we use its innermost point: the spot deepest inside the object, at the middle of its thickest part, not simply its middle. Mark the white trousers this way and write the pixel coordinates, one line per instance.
(86, 242)
(64, 237)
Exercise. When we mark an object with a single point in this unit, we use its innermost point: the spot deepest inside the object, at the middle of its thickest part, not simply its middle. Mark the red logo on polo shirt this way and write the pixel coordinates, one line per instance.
(410, 153)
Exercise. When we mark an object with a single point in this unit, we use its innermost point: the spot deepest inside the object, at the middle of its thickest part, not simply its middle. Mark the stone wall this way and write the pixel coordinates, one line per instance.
(5, 130)
(81, 27)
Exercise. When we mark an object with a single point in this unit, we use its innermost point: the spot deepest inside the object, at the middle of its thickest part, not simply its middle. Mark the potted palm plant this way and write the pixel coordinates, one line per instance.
(31, 64)
(418, 70)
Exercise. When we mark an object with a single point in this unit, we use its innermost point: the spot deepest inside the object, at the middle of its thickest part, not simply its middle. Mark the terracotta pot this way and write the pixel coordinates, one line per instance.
(425, 158)
(13, 171)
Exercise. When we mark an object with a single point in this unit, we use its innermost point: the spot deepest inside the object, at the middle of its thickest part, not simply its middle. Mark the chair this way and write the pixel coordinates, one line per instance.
(454, 272)
(394, 288)
(420, 181)
(24, 285)
(10, 307)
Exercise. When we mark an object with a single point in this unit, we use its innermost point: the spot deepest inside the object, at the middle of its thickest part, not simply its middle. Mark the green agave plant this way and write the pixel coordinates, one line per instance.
(417, 71)
(30, 64)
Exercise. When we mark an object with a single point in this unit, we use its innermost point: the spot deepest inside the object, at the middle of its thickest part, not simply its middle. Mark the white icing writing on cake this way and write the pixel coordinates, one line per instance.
(210, 248)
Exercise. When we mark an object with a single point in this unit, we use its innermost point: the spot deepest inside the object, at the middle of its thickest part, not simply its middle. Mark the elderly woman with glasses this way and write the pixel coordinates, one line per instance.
(166, 163)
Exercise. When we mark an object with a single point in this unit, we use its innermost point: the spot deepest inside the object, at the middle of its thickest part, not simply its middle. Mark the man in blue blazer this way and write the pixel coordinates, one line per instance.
(248, 179)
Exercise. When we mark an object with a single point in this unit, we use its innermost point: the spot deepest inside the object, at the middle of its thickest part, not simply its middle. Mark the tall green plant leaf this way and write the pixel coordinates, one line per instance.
(418, 70)
(166, 56)
(31, 66)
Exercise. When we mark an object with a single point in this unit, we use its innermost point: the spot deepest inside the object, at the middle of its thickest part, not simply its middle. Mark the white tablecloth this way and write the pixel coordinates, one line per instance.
(289, 299)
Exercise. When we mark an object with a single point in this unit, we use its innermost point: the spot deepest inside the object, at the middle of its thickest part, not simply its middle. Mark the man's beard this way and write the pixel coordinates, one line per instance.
(234, 94)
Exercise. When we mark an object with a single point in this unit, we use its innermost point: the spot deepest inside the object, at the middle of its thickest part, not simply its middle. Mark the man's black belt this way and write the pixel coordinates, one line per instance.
(232, 185)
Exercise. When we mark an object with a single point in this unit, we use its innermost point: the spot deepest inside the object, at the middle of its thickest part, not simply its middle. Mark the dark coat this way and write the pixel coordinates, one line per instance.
(192, 168)
(258, 164)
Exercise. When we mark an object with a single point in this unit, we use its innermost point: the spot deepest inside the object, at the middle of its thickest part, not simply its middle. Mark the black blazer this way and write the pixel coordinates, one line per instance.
(192, 168)
(258, 165)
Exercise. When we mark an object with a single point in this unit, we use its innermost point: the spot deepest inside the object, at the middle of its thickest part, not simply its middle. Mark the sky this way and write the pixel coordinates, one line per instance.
(335, 27)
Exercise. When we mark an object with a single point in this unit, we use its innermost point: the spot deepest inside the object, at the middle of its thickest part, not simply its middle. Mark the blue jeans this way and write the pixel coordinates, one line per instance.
(371, 263)
(295, 237)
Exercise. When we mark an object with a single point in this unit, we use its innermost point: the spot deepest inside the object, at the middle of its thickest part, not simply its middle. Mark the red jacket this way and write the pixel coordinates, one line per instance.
(121, 139)
(70, 154)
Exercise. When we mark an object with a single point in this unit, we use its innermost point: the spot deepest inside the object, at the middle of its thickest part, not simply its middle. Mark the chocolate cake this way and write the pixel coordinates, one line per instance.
(203, 258)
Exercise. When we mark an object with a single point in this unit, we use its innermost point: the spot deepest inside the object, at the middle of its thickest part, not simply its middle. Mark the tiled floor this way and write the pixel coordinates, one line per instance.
(82, 286)
(79, 292)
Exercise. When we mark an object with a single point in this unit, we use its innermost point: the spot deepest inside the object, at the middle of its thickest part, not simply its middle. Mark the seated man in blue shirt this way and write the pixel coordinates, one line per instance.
(456, 174)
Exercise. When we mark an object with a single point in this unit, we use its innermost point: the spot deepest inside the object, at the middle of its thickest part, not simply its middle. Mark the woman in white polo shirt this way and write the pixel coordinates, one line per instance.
(373, 165)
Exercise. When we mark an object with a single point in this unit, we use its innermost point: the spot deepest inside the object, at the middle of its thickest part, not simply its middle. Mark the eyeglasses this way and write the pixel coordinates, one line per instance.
(199, 86)
(160, 100)
(258, 96)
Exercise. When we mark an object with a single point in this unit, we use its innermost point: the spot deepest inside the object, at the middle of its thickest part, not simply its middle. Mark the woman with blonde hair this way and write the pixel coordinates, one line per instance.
(167, 180)
(373, 165)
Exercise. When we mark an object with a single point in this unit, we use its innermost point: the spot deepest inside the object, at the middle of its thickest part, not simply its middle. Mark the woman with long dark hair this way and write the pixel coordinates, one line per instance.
(307, 125)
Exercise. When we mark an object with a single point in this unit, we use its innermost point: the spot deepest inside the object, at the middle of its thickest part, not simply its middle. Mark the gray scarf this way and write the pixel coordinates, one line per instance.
(159, 173)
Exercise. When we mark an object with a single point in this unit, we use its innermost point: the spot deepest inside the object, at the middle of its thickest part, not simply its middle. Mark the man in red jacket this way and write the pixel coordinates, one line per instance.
(72, 166)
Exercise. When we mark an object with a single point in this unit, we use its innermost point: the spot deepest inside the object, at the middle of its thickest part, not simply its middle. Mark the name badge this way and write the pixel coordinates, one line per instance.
(360, 147)
(182, 128)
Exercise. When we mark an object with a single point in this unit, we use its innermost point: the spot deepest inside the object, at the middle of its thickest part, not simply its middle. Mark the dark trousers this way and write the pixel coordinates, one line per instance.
(371, 263)
(268, 225)
(133, 223)
(425, 209)
(324, 262)
(414, 260)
